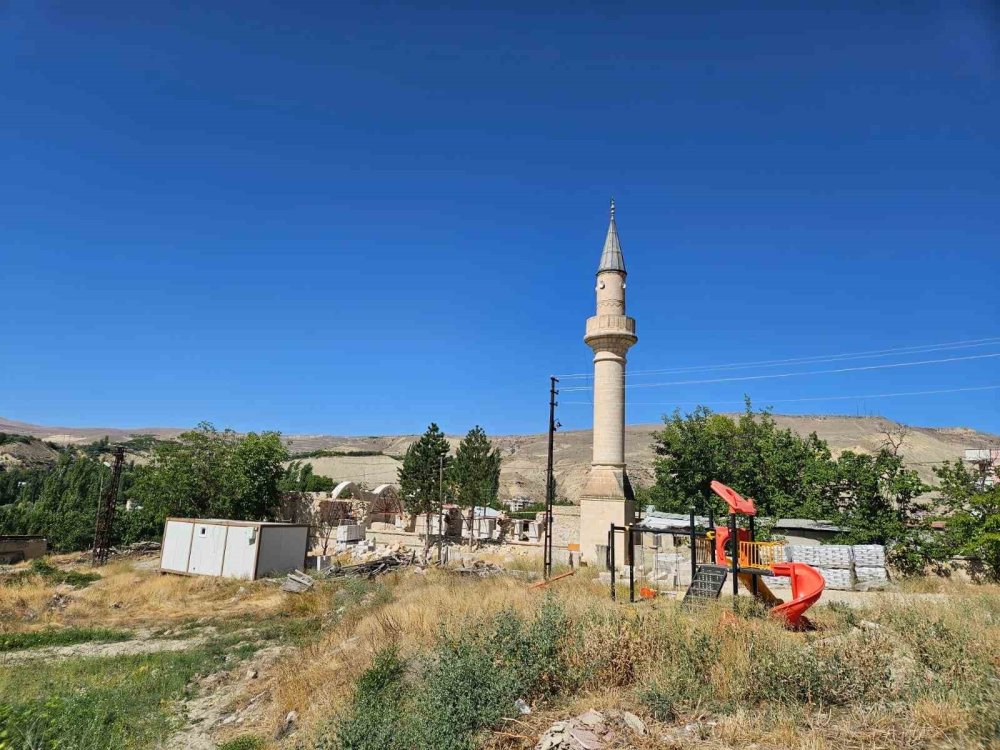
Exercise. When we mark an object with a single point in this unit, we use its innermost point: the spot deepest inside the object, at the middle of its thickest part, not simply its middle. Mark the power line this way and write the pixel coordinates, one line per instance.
(798, 374)
(811, 398)
(916, 349)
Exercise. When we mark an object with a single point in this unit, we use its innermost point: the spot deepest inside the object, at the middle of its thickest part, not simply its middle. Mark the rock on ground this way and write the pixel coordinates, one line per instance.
(593, 730)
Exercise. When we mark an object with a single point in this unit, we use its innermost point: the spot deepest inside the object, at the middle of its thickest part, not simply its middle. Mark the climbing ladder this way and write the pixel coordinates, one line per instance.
(706, 584)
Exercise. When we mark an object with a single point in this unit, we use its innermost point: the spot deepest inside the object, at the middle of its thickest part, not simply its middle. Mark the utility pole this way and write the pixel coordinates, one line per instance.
(550, 482)
(440, 504)
(106, 511)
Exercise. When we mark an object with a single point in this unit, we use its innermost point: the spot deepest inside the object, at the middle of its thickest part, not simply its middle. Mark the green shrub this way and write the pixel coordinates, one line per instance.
(52, 574)
(377, 716)
(659, 701)
(850, 670)
(468, 683)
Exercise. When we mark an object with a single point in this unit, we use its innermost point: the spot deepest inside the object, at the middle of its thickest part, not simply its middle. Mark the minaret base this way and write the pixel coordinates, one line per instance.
(607, 498)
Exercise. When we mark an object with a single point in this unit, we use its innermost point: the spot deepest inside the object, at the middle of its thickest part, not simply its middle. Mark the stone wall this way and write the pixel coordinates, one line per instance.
(14, 549)
(565, 525)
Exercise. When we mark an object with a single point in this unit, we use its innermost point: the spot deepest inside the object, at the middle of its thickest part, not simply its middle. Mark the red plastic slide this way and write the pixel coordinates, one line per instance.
(807, 587)
(736, 502)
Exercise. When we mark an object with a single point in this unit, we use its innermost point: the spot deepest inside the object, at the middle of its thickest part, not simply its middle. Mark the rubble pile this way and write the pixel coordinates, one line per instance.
(136, 548)
(593, 730)
(479, 568)
(372, 563)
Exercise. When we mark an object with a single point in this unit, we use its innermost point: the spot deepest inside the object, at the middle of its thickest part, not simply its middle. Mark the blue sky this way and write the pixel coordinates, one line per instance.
(358, 218)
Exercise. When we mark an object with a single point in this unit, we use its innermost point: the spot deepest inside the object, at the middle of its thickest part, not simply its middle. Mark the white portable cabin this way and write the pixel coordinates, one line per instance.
(232, 549)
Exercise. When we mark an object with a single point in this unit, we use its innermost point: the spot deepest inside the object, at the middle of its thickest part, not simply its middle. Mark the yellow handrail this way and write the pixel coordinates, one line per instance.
(761, 554)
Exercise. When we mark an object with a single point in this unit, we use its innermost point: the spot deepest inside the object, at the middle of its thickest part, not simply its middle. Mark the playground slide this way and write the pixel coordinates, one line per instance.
(807, 587)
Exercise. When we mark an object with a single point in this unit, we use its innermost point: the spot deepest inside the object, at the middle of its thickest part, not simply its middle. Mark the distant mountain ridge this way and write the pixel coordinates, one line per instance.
(524, 456)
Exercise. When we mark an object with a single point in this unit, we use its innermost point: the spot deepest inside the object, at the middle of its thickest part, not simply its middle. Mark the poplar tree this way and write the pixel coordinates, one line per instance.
(420, 475)
(475, 475)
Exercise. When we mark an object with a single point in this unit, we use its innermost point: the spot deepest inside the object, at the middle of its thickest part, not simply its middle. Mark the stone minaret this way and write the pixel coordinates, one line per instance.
(607, 496)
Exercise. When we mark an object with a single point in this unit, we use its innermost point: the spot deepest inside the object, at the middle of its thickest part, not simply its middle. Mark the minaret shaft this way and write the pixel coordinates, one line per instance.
(607, 495)
(609, 413)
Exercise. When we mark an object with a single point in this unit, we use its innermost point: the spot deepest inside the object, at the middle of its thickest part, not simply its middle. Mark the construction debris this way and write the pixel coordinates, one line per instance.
(388, 561)
(137, 548)
(479, 568)
(593, 730)
(296, 582)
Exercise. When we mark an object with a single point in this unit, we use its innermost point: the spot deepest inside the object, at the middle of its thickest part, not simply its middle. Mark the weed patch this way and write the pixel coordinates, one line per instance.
(60, 637)
(120, 702)
(50, 574)
(468, 682)
(246, 742)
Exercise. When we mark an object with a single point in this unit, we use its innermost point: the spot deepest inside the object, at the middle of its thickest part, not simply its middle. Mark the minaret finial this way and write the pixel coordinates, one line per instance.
(612, 208)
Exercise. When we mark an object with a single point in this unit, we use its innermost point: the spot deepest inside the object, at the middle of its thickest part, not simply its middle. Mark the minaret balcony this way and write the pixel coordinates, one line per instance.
(610, 325)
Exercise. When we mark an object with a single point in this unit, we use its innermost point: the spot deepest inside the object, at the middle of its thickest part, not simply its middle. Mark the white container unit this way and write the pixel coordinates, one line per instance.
(232, 549)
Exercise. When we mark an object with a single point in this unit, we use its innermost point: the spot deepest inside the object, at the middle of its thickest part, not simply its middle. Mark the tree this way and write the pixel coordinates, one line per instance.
(877, 506)
(420, 475)
(475, 473)
(205, 473)
(59, 502)
(299, 477)
(785, 474)
(255, 471)
(872, 496)
(971, 513)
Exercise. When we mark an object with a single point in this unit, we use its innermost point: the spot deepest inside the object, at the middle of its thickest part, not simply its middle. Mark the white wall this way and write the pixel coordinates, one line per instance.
(176, 544)
(207, 545)
(241, 552)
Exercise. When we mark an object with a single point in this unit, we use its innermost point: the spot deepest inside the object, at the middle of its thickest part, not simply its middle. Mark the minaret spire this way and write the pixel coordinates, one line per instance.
(612, 258)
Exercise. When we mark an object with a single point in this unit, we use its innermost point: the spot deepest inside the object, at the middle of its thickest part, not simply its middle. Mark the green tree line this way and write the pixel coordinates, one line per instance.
(203, 473)
(873, 497)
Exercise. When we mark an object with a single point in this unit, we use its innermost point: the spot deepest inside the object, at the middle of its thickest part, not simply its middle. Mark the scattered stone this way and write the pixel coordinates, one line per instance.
(586, 739)
(286, 726)
(59, 601)
(252, 673)
(521, 705)
(479, 568)
(296, 582)
(634, 723)
(593, 730)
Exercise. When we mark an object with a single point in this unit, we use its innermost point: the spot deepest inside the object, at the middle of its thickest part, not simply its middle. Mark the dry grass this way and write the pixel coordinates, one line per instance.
(131, 596)
(902, 671)
(896, 684)
(421, 606)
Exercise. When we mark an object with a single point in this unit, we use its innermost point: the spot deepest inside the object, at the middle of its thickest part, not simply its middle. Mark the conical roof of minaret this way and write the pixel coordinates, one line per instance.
(612, 258)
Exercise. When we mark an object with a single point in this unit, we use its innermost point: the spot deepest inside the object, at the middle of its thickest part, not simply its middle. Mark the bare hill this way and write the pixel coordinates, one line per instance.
(77, 435)
(26, 452)
(524, 455)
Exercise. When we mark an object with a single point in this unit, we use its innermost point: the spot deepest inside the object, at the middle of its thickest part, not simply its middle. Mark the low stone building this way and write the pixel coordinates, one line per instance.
(15, 548)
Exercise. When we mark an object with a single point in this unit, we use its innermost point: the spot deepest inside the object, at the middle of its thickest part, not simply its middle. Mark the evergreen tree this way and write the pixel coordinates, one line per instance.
(475, 474)
(419, 476)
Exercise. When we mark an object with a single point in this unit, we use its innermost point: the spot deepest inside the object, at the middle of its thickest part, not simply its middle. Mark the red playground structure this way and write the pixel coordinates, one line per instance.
(733, 551)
